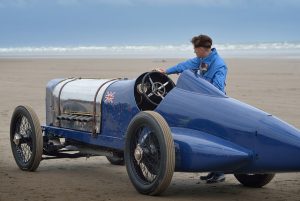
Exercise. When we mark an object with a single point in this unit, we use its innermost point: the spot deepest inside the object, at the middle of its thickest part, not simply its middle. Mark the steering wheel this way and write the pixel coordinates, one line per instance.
(158, 87)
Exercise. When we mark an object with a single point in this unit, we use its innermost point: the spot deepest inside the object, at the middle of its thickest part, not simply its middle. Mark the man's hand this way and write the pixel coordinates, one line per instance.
(160, 70)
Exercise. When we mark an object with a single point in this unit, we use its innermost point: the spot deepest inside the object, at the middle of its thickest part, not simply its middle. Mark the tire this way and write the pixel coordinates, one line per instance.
(116, 159)
(149, 153)
(254, 180)
(26, 138)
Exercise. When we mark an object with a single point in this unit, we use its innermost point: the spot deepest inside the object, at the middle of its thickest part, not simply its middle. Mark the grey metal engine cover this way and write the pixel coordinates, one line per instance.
(77, 97)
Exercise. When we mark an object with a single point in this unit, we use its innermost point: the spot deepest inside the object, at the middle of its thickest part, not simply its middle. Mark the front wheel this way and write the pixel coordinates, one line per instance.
(26, 138)
(149, 153)
(254, 180)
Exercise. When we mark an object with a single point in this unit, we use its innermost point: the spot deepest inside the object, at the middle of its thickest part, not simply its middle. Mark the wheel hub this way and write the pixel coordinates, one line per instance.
(138, 153)
(17, 139)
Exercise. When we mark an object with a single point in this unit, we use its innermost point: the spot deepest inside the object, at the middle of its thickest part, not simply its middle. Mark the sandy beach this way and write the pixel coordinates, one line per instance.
(269, 84)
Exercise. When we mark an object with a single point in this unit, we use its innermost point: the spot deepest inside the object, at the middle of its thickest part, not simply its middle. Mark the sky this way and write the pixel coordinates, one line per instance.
(146, 22)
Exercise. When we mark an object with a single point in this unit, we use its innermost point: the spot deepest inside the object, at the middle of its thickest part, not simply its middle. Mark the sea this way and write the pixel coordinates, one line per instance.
(226, 50)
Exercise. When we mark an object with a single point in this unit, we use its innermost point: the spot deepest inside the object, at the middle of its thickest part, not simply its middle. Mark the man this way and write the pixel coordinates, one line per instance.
(212, 68)
(211, 65)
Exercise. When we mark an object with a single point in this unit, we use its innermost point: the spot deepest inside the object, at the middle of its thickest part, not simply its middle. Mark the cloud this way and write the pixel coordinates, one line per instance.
(23, 3)
(17, 3)
(220, 3)
(202, 3)
(105, 2)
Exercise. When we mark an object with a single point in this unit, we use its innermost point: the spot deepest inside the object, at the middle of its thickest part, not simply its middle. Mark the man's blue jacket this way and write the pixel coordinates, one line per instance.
(215, 74)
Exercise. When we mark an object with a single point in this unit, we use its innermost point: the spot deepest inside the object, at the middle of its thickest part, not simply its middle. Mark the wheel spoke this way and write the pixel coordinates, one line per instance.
(28, 152)
(146, 173)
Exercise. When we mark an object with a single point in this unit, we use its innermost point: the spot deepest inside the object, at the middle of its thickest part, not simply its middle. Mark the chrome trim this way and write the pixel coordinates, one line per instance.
(95, 106)
(80, 96)
(59, 94)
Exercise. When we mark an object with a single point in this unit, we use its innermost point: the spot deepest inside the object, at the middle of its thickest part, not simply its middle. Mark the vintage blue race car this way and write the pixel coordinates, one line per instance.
(157, 128)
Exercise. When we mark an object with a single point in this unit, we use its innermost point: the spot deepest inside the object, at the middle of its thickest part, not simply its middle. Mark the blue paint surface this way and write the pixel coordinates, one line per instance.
(212, 132)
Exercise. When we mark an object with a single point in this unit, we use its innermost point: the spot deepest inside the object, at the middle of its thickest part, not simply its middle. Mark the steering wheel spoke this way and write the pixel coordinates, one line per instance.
(161, 96)
(165, 84)
(151, 80)
(150, 94)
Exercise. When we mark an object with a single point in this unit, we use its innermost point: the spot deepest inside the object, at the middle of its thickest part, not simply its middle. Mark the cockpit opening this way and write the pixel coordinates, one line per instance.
(151, 88)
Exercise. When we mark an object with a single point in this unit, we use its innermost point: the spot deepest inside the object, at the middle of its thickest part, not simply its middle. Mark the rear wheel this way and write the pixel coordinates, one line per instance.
(254, 180)
(116, 159)
(26, 138)
(149, 153)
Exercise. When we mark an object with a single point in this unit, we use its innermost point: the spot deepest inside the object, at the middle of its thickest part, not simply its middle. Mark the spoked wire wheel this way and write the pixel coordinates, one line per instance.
(26, 138)
(149, 153)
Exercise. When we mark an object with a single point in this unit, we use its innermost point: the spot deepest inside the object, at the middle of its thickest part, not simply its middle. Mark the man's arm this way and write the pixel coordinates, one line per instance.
(219, 78)
(189, 64)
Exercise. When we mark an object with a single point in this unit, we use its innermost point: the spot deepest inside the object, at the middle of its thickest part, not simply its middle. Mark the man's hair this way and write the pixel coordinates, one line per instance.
(202, 41)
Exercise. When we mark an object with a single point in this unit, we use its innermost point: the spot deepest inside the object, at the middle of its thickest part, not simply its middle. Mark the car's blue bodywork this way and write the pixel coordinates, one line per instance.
(211, 131)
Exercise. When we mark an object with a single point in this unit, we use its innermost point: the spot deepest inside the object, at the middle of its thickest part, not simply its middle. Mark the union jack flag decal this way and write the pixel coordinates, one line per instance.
(109, 97)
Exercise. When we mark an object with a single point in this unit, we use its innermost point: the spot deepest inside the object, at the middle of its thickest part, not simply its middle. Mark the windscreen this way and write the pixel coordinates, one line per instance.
(191, 81)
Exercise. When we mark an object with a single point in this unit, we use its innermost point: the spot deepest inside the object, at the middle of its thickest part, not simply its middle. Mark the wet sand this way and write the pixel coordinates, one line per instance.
(269, 84)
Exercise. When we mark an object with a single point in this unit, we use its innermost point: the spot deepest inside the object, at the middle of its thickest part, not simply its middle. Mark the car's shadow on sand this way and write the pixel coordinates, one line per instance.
(184, 186)
(95, 178)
